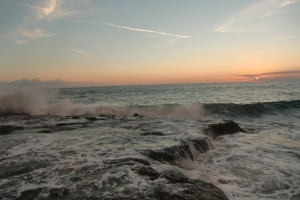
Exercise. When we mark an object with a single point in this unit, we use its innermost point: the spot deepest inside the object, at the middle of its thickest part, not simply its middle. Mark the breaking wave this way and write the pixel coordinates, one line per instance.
(29, 102)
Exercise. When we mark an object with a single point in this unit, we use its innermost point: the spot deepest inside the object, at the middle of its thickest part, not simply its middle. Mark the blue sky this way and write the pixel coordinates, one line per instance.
(144, 42)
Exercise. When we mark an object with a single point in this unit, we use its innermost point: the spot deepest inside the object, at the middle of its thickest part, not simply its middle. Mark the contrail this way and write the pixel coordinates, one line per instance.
(143, 30)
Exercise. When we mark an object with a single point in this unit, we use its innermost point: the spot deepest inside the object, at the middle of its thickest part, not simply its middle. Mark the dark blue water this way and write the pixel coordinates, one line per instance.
(238, 93)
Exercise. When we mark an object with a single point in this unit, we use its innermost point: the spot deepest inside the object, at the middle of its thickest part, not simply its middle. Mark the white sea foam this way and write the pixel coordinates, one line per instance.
(38, 102)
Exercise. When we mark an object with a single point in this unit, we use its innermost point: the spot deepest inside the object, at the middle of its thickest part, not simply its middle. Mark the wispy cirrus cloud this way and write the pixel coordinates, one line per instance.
(287, 2)
(19, 41)
(37, 33)
(24, 36)
(249, 18)
(38, 12)
(86, 55)
(50, 9)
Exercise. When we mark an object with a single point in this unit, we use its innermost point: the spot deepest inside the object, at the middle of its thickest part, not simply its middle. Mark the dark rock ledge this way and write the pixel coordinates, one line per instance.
(6, 129)
(223, 128)
(186, 149)
(167, 185)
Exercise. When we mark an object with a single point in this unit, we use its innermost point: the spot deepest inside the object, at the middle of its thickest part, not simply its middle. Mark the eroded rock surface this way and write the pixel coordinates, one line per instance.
(224, 128)
(6, 129)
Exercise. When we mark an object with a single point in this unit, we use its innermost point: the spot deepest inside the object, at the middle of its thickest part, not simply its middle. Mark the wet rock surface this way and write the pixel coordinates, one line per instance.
(188, 149)
(162, 185)
(103, 157)
(152, 133)
(181, 187)
(224, 128)
(29, 194)
(6, 172)
(7, 129)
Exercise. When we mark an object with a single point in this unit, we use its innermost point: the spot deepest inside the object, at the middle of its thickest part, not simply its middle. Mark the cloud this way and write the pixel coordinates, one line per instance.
(144, 30)
(37, 83)
(287, 2)
(19, 41)
(133, 29)
(51, 9)
(24, 36)
(82, 53)
(253, 76)
(37, 33)
(249, 18)
(26, 82)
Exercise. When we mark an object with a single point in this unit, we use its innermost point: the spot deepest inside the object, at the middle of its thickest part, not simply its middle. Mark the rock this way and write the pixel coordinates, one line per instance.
(66, 124)
(146, 171)
(187, 149)
(95, 118)
(174, 177)
(6, 129)
(59, 192)
(75, 117)
(183, 188)
(136, 115)
(226, 127)
(109, 116)
(29, 194)
(23, 169)
(157, 133)
(126, 160)
(46, 131)
(91, 118)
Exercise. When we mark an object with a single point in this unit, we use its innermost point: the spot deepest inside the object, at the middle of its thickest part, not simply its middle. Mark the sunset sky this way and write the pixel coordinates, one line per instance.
(116, 42)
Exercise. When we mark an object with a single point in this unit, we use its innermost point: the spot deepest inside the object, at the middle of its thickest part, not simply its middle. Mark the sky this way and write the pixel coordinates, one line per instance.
(149, 42)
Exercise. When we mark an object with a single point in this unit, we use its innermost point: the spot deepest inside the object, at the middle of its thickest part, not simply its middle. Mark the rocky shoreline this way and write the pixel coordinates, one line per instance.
(118, 175)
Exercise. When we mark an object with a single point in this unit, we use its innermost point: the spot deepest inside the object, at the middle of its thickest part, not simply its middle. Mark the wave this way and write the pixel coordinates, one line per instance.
(250, 109)
(28, 102)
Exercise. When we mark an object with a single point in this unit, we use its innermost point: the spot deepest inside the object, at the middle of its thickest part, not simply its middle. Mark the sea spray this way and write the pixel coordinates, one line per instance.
(45, 102)
(24, 101)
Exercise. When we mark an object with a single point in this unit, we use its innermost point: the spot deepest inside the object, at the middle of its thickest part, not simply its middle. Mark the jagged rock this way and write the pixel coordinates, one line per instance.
(187, 149)
(23, 169)
(146, 171)
(29, 194)
(6, 129)
(183, 188)
(58, 192)
(226, 127)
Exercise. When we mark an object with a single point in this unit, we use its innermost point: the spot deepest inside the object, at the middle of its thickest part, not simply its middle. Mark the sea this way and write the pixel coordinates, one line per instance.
(87, 143)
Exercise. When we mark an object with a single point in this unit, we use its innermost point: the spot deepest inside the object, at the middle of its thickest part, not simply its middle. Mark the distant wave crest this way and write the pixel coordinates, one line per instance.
(251, 109)
(27, 102)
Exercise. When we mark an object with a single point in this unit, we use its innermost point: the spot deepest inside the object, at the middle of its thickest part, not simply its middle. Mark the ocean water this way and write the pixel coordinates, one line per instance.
(61, 146)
